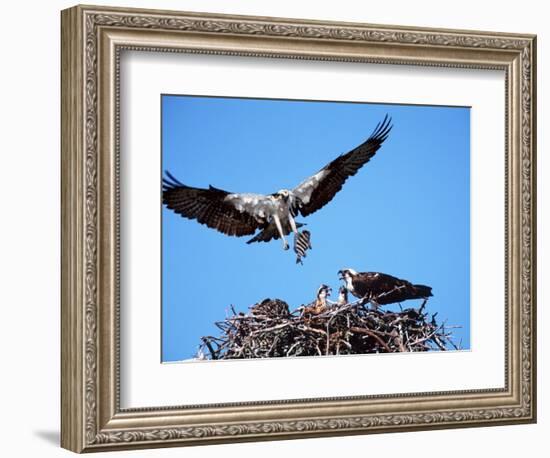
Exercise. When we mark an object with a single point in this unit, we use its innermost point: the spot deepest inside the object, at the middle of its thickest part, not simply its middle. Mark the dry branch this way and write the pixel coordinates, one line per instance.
(270, 330)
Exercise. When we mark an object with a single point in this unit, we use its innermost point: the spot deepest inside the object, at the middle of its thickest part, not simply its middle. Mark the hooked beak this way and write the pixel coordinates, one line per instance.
(284, 195)
(340, 275)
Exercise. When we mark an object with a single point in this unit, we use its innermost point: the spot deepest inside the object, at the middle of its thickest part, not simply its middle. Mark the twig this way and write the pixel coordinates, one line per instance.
(270, 329)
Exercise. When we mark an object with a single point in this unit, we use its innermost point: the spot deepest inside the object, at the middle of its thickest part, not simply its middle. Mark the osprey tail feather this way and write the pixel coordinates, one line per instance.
(270, 233)
(423, 291)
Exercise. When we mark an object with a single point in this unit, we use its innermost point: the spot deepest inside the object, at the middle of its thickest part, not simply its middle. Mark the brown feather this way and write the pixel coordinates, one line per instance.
(386, 289)
(345, 166)
(208, 207)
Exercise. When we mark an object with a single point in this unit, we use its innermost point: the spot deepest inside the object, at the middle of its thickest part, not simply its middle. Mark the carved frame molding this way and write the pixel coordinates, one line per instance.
(92, 39)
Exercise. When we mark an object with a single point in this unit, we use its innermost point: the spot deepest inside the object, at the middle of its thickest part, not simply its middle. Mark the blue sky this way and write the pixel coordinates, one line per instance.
(406, 213)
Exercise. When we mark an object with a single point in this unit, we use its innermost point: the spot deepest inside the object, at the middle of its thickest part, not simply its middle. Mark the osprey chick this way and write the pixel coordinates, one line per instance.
(274, 214)
(321, 303)
(342, 296)
(382, 288)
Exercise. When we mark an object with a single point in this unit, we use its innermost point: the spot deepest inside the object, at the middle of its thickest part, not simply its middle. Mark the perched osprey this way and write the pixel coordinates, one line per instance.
(274, 214)
(342, 296)
(322, 296)
(321, 302)
(382, 288)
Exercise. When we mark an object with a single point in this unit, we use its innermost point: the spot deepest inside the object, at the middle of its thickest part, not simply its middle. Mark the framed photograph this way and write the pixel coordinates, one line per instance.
(277, 228)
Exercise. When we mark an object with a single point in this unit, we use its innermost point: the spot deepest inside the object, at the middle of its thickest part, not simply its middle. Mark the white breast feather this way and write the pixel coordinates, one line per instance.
(349, 284)
(257, 205)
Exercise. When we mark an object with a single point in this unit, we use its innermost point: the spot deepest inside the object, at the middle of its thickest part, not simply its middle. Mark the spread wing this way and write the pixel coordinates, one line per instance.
(229, 213)
(319, 189)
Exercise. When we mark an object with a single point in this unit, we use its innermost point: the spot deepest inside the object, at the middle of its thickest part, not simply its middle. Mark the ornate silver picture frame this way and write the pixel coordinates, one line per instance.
(93, 40)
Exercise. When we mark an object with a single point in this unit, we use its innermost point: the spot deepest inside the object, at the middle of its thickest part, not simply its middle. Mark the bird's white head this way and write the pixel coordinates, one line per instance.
(346, 273)
(343, 295)
(347, 276)
(283, 194)
(324, 291)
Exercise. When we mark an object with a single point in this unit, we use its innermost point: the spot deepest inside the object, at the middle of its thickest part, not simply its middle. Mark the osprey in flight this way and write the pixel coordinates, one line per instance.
(382, 288)
(240, 214)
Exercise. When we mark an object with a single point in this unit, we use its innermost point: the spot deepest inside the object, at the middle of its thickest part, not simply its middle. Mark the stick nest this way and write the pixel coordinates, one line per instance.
(271, 330)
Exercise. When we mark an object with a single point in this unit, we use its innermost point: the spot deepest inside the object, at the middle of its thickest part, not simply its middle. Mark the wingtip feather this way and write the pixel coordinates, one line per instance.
(170, 181)
(382, 129)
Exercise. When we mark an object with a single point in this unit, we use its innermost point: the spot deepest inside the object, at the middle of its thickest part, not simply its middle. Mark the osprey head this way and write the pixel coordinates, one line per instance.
(342, 295)
(324, 290)
(346, 273)
(283, 194)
